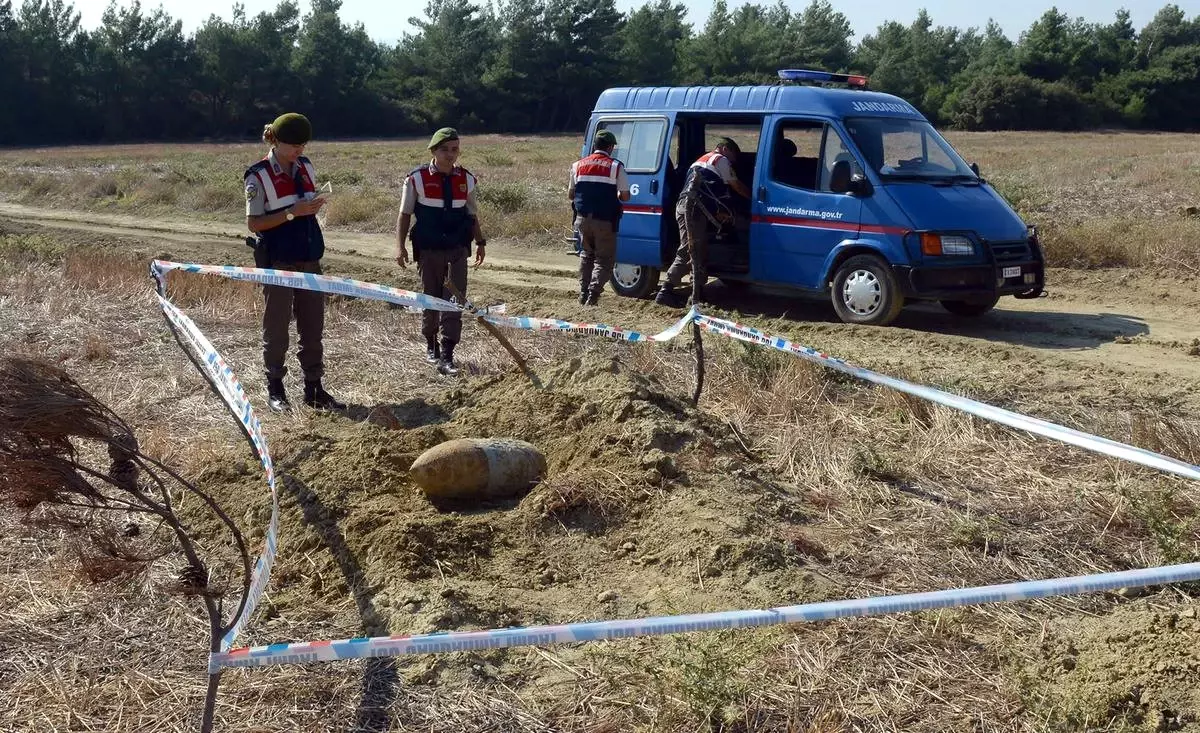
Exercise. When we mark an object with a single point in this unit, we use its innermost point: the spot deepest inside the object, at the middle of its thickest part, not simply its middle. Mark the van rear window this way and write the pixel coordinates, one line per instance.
(639, 142)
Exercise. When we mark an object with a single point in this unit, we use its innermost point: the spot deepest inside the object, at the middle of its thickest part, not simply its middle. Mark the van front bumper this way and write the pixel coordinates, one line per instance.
(971, 282)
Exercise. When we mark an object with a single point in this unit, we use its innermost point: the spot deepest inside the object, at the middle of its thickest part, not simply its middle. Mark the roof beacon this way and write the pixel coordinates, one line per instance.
(822, 77)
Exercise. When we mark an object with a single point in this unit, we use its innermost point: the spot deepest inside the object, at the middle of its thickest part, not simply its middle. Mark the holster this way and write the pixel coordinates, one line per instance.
(261, 258)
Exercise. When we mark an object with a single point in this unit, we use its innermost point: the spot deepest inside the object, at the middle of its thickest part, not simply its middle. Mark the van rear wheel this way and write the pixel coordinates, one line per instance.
(865, 292)
(634, 281)
(970, 308)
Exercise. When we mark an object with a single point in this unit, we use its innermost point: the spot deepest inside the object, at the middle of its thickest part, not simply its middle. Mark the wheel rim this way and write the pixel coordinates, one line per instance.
(628, 276)
(862, 293)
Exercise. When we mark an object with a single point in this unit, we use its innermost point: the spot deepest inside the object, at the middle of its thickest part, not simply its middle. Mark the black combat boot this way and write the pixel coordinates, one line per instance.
(317, 398)
(432, 354)
(446, 364)
(277, 396)
(667, 296)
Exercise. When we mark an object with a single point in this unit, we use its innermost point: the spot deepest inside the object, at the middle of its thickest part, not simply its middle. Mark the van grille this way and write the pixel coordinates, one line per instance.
(1010, 251)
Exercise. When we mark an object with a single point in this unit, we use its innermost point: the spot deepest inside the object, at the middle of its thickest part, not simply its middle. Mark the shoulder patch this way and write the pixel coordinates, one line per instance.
(251, 189)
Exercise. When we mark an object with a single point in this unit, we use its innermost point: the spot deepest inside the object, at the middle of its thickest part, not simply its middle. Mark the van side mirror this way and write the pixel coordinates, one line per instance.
(975, 170)
(860, 186)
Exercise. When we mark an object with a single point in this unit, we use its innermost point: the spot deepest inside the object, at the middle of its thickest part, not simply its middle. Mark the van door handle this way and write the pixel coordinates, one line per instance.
(654, 186)
(762, 193)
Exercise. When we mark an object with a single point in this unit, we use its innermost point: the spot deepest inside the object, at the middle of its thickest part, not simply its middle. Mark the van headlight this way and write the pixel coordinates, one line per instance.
(946, 244)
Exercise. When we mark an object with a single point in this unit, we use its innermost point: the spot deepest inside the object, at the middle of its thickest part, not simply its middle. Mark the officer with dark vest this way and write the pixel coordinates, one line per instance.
(281, 208)
(597, 188)
(441, 196)
(703, 206)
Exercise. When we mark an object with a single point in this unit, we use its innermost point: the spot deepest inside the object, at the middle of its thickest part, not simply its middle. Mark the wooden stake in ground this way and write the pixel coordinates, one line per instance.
(491, 328)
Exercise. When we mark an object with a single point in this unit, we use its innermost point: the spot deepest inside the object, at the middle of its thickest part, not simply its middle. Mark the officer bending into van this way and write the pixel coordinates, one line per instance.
(441, 196)
(281, 208)
(597, 188)
(703, 206)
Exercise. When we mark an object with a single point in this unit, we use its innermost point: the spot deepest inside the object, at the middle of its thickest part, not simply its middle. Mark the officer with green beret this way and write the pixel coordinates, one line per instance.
(597, 187)
(281, 208)
(441, 197)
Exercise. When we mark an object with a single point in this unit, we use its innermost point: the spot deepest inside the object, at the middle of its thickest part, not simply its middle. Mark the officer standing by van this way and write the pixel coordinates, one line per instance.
(441, 196)
(598, 186)
(281, 208)
(703, 202)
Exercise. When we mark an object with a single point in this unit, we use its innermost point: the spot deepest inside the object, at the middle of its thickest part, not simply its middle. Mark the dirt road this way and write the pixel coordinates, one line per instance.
(1110, 330)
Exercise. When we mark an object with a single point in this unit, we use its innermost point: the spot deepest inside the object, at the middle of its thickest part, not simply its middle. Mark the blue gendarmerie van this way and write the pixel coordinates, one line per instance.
(855, 197)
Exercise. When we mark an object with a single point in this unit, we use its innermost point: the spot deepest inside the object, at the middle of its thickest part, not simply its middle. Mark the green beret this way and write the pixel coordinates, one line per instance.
(441, 136)
(292, 128)
(605, 139)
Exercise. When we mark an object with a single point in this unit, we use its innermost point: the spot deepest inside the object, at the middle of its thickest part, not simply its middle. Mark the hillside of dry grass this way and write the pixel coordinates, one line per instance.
(788, 484)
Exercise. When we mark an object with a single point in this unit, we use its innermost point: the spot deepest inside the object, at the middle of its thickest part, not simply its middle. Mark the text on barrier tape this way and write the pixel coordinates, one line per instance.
(460, 641)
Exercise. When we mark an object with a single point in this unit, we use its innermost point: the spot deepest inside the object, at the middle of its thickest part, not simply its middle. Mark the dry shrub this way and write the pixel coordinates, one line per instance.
(213, 198)
(159, 192)
(590, 499)
(1162, 434)
(525, 223)
(100, 269)
(213, 292)
(348, 208)
(104, 187)
(96, 348)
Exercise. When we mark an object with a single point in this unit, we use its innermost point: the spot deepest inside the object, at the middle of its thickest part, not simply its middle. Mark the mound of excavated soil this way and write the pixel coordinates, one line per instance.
(1134, 669)
(648, 508)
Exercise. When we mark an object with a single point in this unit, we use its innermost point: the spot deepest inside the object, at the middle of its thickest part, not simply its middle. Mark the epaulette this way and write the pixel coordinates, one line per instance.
(260, 165)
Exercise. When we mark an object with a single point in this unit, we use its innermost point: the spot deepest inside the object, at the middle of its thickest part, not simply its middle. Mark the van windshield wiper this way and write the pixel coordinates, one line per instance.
(907, 177)
(937, 180)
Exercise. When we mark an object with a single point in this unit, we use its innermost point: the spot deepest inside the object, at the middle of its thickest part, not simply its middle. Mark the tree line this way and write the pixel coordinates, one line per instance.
(538, 65)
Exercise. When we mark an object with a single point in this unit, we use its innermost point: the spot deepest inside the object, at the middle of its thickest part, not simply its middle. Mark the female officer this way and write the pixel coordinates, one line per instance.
(441, 195)
(281, 208)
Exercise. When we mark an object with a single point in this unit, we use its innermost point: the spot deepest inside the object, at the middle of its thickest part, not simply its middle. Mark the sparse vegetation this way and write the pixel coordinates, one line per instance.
(790, 484)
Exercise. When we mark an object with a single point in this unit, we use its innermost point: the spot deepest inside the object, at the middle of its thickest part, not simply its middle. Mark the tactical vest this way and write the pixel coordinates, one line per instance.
(706, 183)
(596, 187)
(442, 218)
(298, 240)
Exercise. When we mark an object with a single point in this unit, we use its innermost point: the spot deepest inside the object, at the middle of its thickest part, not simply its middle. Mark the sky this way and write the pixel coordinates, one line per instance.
(387, 20)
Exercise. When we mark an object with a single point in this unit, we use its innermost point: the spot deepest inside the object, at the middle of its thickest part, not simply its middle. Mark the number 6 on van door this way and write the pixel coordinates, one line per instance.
(633, 190)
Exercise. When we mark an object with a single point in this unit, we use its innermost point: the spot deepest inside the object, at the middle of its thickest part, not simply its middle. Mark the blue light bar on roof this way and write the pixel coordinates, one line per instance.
(853, 80)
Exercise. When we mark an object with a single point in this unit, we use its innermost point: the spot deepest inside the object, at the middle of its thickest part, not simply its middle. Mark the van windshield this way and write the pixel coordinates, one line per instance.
(907, 149)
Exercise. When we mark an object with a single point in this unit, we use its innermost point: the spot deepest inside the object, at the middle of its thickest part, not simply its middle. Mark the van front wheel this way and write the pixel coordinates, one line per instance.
(865, 291)
(634, 281)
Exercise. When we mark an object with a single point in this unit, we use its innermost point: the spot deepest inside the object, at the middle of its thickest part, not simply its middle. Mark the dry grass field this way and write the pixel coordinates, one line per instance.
(787, 484)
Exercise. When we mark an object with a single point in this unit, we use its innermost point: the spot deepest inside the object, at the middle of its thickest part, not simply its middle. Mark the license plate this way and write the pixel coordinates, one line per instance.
(1011, 272)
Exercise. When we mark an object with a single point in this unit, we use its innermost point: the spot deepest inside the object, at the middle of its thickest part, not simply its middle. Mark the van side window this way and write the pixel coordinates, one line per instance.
(639, 142)
(796, 154)
(838, 164)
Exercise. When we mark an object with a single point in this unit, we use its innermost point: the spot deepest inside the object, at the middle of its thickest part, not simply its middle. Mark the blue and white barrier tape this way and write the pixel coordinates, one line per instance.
(234, 397)
(460, 641)
(543, 325)
(979, 409)
(311, 281)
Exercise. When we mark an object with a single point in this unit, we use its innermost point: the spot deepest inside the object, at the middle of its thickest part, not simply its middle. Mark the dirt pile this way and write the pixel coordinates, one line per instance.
(1135, 669)
(648, 507)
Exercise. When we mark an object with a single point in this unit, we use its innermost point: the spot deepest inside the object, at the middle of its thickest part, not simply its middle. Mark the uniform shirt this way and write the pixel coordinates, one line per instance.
(622, 179)
(256, 195)
(718, 164)
(408, 197)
